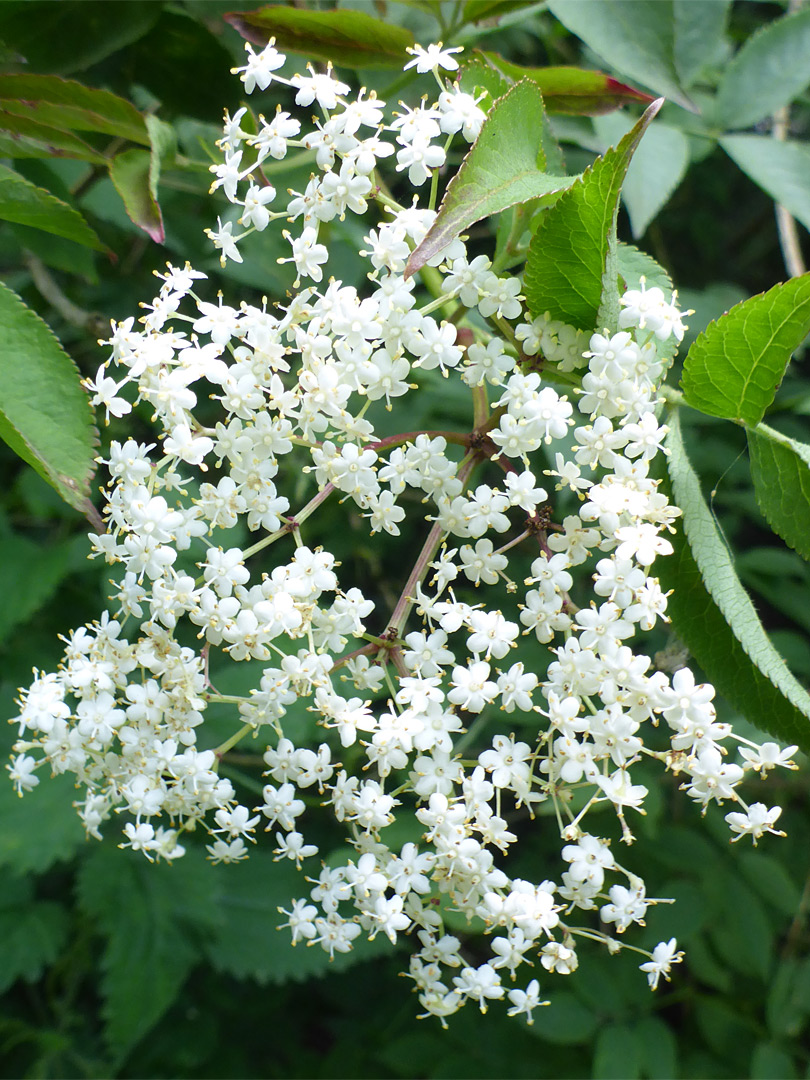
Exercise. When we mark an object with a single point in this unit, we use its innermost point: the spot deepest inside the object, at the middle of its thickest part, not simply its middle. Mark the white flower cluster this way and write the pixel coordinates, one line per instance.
(125, 711)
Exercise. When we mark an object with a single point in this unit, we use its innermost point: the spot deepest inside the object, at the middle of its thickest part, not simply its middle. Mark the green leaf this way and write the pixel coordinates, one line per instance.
(163, 148)
(735, 366)
(45, 415)
(66, 104)
(780, 467)
(780, 168)
(769, 71)
(638, 39)
(768, 877)
(21, 136)
(771, 1062)
(571, 266)
(39, 828)
(477, 10)
(572, 90)
(744, 937)
(504, 167)
(347, 38)
(153, 918)
(658, 166)
(57, 37)
(26, 204)
(58, 253)
(476, 75)
(29, 575)
(635, 265)
(617, 1054)
(33, 933)
(565, 1021)
(714, 616)
(131, 172)
(248, 944)
(699, 37)
(658, 1050)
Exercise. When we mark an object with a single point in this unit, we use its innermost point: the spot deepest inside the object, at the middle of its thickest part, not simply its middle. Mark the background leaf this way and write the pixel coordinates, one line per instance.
(131, 172)
(735, 366)
(26, 204)
(45, 415)
(58, 37)
(780, 467)
(782, 169)
(151, 917)
(504, 167)
(637, 39)
(714, 616)
(700, 37)
(33, 932)
(570, 89)
(769, 71)
(66, 103)
(348, 38)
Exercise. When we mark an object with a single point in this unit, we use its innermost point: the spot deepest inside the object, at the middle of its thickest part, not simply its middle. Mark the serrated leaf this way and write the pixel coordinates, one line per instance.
(782, 169)
(131, 172)
(39, 828)
(477, 74)
(572, 90)
(780, 467)
(67, 104)
(248, 944)
(635, 265)
(638, 39)
(503, 168)
(769, 71)
(658, 166)
(714, 616)
(33, 933)
(347, 38)
(570, 269)
(45, 415)
(21, 136)
(24, 203)
(735, 366)
(153, 918)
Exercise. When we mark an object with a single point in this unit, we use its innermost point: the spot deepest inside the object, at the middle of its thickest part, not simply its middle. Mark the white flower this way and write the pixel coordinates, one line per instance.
(259, 69)
(432, 58)
(663, 956)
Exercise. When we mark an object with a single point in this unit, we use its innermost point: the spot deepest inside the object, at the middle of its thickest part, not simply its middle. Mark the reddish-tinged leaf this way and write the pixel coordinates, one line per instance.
(130, 173)
(347, 38)
(66, 104)
(570, 89)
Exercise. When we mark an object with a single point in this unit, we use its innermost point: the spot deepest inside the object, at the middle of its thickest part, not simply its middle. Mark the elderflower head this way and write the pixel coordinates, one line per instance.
(395, 682)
